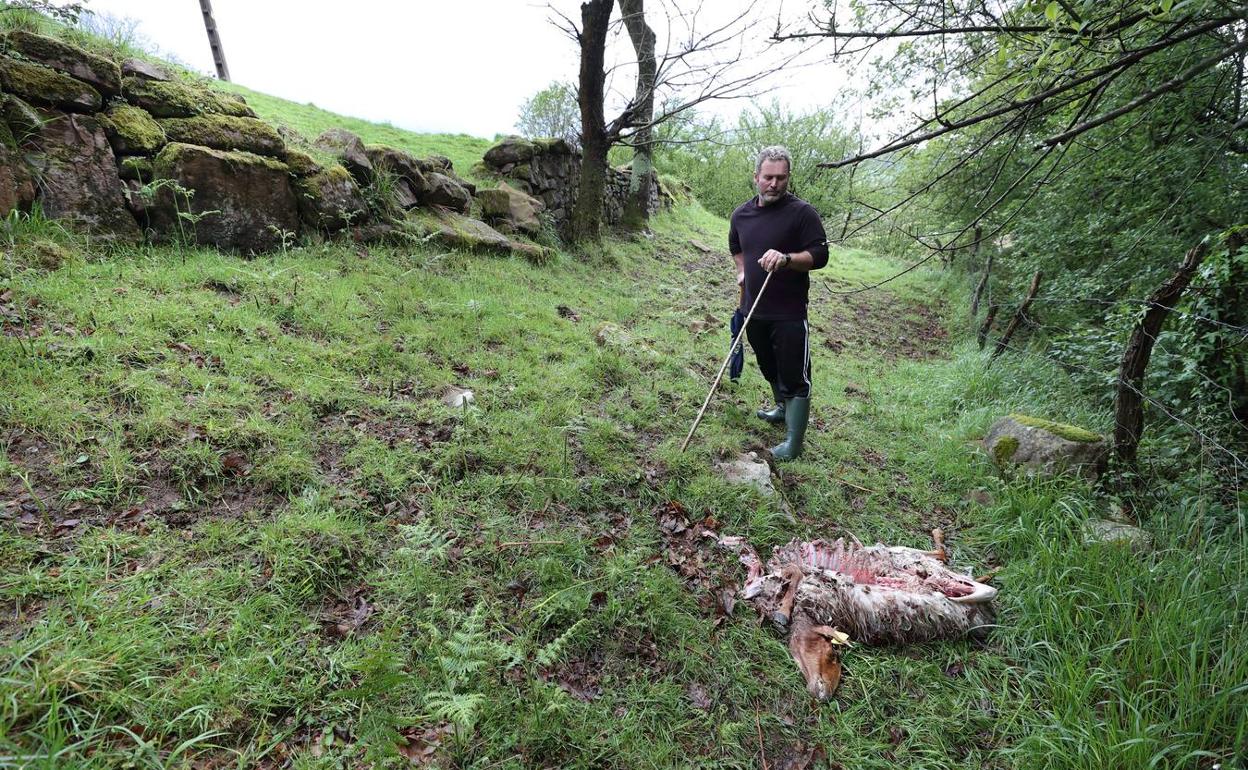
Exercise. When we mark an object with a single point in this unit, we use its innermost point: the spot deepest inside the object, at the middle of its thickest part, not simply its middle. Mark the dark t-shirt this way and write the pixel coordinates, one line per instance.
(789, 225)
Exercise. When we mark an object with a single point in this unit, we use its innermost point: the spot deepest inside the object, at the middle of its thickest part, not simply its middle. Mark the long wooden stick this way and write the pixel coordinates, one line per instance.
(727, 358)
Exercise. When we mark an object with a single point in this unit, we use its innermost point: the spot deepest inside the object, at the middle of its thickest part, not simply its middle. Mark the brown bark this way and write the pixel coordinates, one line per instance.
(979, 290)
(637, 207)
(1018, 317)
(1128, 409)
(987, 325)
(591, 189)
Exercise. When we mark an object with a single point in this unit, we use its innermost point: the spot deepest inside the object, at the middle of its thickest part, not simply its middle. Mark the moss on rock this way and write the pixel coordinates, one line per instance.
(22, 119)
(101, 73)
(44, 85)
(1059, 429)
(132, 131)
(171, 99)
(225, 132)
(173, 152)
(303, 164)
(1004, 449)
(138, 169)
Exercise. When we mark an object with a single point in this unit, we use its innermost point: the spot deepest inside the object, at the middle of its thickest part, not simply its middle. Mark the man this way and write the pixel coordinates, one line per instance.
(777, 232)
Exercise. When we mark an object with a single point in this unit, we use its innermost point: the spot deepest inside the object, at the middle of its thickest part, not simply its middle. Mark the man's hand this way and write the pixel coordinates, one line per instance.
(773, 260)
(740, 277)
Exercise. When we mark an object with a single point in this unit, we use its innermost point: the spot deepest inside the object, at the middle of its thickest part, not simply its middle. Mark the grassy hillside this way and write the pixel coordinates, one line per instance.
(240, 528)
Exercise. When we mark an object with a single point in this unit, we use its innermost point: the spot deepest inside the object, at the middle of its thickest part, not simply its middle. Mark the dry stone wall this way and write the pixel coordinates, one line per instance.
(548, 170)
(130, 151)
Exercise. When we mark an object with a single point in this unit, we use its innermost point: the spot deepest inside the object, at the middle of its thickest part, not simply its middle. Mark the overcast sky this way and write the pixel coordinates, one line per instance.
(461, 67)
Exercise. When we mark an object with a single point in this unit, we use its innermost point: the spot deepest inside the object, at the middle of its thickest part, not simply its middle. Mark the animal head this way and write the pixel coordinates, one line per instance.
(817, 652)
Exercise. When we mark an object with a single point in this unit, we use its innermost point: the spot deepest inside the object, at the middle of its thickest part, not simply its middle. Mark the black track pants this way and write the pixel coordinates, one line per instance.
(783, 352)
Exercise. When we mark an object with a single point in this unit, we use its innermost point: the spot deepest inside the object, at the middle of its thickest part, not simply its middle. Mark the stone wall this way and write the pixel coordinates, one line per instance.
(131, 151)
(548, 169)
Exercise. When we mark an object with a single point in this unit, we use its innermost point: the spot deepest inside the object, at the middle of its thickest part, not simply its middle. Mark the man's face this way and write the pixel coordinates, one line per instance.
(772, 181)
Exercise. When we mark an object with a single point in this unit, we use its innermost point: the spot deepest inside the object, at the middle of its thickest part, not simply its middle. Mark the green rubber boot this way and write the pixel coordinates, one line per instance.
(796, 414)
(775, 415)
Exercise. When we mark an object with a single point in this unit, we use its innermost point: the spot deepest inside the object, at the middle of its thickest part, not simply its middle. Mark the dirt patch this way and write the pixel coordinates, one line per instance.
(877, 321)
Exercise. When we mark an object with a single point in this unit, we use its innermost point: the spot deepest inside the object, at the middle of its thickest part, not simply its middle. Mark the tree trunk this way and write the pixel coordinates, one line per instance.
(1128, 409)
(591, 190)
(987, 325)
(637, 207)
(979, 290)
(1019, 315)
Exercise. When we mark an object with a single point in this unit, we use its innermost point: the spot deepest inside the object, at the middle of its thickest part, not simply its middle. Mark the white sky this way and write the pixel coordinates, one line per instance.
(461, 67)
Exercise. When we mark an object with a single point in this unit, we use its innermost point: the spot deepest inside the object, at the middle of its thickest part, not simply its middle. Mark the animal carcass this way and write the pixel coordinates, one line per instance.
(874, 594)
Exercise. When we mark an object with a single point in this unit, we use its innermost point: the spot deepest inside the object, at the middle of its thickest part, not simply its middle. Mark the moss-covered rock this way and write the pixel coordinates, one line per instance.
(329, 200)
(1068, 432)
(509, 151)
(1045, 447)
(132, 130)
(22, 119)
(137, 168)
(46, 86)
(243, 201)
(460, 232)
(1004, 449)
(171, 99)
(301, 163)
(348, 149)
(100, 73)
(17, 189)
(78, 179)
(225, 132)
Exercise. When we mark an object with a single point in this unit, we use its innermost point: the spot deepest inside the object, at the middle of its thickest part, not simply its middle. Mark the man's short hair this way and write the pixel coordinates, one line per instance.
(775, 152)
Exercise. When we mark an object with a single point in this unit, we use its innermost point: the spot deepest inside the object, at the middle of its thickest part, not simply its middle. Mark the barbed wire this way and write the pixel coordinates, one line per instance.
(1235, 459)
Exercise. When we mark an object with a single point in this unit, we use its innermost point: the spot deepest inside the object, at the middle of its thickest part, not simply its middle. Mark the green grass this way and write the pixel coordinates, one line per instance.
(240, 527)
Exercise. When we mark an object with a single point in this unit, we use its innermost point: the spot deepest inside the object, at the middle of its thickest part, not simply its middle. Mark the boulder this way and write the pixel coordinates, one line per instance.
(144, 69)
(245, 200)
(17, 185)
(45, 86)
(301, 163)
(349, 150)
(400, 163)
(132, 130)
(225, 132)
(1045, 447)
(329, 200)
(102, 74)
(511, 150)
(403, 194)
(78, 176)
(171, 99)
(445, 191)
(459, 232)
(507, 204)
